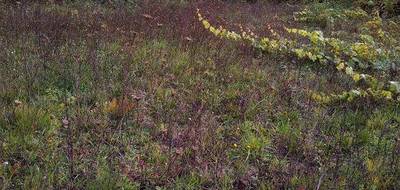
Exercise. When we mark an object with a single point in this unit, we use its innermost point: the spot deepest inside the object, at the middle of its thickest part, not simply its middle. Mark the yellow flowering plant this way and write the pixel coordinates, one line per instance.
(347, 56)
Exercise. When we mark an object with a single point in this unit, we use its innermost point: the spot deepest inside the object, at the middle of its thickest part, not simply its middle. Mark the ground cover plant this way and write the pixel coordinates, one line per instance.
(199, 94)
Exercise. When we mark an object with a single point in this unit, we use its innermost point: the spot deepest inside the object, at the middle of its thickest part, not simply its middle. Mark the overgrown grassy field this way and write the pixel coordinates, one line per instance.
(156, 95)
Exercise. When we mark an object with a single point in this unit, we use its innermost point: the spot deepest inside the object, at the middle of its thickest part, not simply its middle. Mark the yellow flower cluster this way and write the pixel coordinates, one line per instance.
(351, 95)
(349, 71)
(365, 51)
(362, 50)
(219, 32)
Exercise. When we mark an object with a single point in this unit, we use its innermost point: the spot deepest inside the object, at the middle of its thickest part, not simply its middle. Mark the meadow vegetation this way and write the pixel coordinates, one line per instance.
(179, 94)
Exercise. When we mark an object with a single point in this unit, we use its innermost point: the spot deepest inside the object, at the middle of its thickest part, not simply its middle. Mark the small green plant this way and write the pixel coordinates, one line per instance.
(254, 142)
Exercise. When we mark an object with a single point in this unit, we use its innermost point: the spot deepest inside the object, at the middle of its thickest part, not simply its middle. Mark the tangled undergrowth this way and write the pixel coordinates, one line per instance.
(141, 95)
